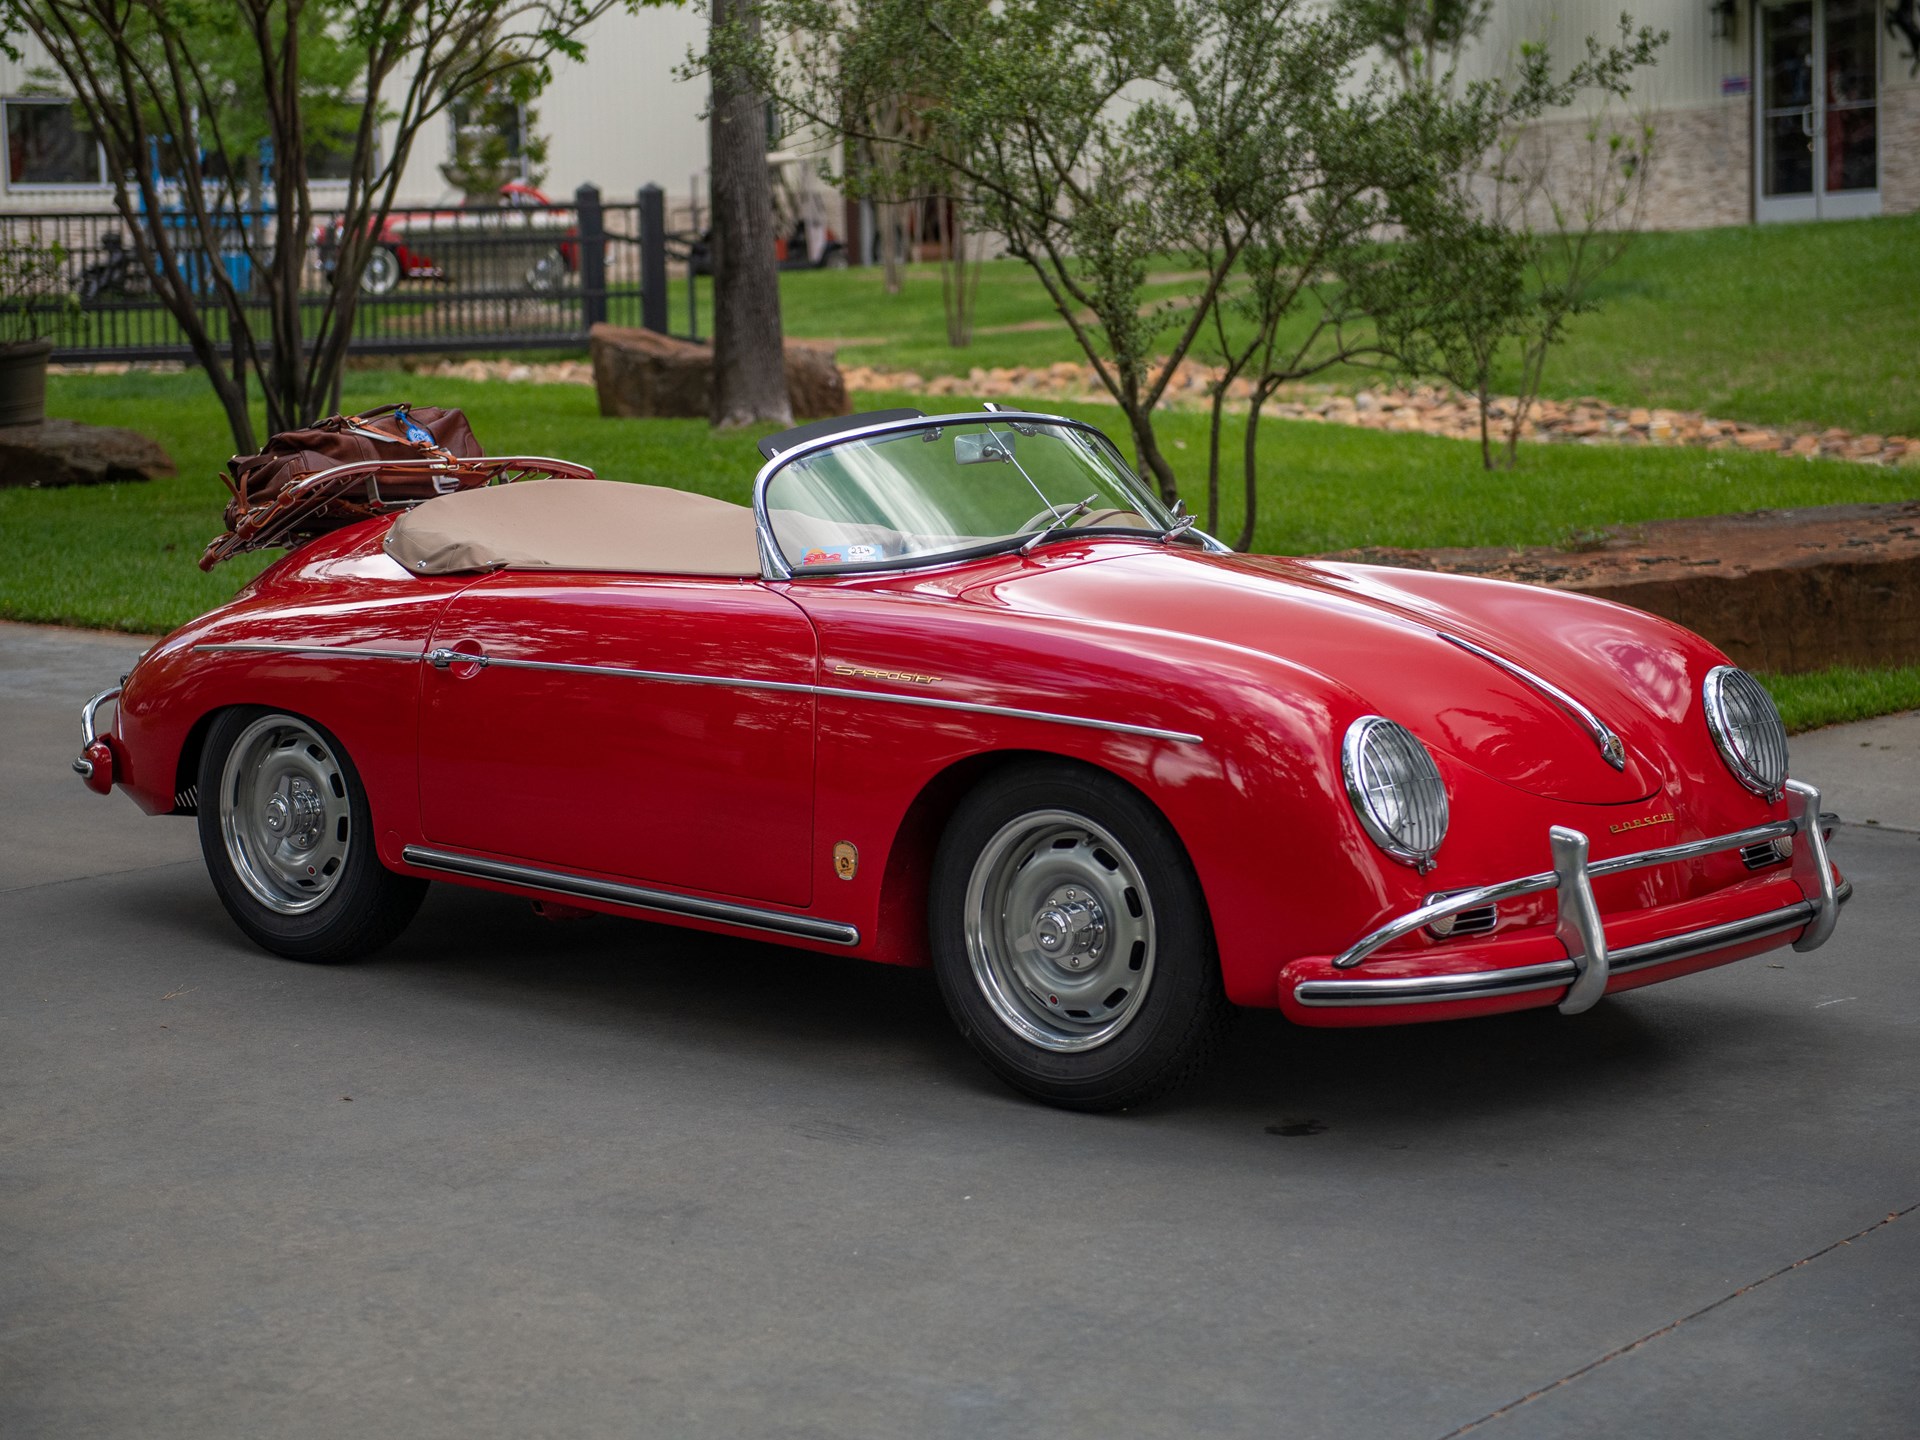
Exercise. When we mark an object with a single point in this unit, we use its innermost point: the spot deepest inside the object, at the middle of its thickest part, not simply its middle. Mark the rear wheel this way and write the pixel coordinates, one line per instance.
(1071, 940)
(547, 273)
(288, 840)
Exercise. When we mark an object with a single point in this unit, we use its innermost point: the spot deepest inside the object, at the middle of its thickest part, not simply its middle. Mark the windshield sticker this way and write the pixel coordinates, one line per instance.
(821, 557)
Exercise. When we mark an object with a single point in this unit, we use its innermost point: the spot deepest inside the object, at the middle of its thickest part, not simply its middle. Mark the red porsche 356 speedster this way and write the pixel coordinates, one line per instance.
(958, 690)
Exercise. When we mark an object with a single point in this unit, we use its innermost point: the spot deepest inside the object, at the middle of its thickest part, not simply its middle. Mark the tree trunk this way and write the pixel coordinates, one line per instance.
(1484, 400)
(1154, 468)
(887, 219)
(749, 367)
(1250, 469)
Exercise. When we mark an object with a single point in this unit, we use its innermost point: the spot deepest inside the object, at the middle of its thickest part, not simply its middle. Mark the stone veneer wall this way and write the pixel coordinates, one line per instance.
(1703, 160)
(1702, 167)
(1900, 149)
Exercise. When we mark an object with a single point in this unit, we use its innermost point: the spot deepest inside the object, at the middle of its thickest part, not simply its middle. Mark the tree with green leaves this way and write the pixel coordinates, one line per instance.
(1506, 247)
(1021, 118)
(177, 79)
(1240, 142)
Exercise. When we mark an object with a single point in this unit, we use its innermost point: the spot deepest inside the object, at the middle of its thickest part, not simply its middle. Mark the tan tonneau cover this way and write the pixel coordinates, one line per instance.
(601, 525)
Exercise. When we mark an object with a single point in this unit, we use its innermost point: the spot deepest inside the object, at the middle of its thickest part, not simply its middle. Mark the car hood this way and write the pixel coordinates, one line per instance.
(1383, 635)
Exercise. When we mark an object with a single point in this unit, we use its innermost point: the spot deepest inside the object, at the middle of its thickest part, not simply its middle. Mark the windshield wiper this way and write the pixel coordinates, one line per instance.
(1060, 518)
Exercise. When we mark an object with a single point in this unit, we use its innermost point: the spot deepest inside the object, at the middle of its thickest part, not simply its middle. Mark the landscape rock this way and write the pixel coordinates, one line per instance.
(65, 452)
(1781, 590)
(641, 373)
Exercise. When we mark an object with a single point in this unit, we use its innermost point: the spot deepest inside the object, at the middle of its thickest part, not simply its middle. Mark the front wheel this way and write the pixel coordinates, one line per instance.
(382, 274)
(288, 840)
(1071, 941)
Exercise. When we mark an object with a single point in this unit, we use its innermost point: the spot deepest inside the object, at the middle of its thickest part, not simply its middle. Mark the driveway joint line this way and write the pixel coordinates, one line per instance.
(1876, 825)
(1671, 1326)
(102, 875)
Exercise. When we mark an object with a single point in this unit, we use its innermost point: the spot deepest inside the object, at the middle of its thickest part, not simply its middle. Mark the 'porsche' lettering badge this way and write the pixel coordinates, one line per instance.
(1642, 822)
(907, 677)
(846, 860)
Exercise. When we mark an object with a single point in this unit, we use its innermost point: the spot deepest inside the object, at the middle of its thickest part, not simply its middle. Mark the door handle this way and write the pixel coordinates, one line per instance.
(469, 661)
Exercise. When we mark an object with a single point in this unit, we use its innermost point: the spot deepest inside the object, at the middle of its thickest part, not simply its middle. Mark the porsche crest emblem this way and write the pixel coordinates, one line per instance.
(846, 860)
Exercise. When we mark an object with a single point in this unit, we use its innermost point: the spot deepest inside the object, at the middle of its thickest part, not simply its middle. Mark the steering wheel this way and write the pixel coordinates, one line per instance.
(1056, 515)
(1111, 515)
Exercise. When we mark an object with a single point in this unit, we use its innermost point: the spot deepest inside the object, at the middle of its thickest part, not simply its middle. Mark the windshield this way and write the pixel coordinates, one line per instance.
(949, 488)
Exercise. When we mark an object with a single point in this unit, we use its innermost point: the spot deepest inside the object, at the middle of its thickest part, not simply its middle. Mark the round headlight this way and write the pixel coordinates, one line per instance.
(1395, 788)
(1746, 729)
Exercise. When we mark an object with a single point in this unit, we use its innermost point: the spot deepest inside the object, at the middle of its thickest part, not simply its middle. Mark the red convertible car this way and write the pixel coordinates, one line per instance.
(959, 691)
(526, 242)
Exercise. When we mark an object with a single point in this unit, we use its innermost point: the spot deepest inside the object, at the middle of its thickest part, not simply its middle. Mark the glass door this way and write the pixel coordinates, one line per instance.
(1817, 147)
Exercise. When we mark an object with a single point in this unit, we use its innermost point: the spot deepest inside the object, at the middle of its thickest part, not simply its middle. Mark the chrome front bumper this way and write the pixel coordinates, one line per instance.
(93, 754)
(1589, 965)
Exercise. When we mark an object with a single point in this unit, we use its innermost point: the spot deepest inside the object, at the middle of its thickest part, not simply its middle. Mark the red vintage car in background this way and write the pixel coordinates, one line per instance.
(527, 242)
(958, 691)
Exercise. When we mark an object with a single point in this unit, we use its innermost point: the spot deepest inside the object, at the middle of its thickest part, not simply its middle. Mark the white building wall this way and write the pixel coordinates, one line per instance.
(1693, 64)
(1700, 98)
(619, 120)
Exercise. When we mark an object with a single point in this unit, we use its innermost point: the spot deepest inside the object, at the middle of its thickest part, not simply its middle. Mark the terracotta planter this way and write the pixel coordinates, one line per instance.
(23, 382)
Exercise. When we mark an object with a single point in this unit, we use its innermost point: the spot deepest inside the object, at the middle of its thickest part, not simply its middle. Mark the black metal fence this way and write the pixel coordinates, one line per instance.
(440, 279)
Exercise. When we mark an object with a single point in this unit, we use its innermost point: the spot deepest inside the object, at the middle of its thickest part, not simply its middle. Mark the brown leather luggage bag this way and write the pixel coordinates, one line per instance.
(392, 432)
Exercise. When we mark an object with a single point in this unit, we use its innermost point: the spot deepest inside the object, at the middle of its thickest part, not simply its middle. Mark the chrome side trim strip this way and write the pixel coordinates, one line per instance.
(1481, 984)
(441, 659)
(1612, 750)
(1119, 727)
(296, 647)
(561, 882)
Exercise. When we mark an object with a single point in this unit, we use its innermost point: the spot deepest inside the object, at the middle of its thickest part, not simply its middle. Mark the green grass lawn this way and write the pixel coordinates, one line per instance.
(122, 556)
(1833, 697)
(1811, 325)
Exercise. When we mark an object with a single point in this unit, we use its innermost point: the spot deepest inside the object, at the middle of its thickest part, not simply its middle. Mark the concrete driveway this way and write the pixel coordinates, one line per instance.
(512, 1178)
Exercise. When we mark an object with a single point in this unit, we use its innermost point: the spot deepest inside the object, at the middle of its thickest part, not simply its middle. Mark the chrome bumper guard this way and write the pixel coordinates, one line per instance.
(83, 767)
(1589, 965)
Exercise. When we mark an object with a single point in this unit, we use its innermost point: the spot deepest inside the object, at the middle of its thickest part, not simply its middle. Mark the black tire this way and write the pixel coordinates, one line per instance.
(548, 273)
(347, 904)
(383, 272)
(1132, 1025)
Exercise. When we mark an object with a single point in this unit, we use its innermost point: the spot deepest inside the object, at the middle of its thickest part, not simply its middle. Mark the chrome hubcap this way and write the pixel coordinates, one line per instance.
(1059, 931)
(284, 814)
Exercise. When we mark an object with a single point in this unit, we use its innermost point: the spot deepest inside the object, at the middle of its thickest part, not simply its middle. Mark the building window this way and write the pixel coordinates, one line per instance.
(333, 129)
(330, 165)
(47, 144)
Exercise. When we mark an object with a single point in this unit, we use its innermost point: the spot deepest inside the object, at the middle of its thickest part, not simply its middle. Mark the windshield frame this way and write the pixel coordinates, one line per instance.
(774, 565)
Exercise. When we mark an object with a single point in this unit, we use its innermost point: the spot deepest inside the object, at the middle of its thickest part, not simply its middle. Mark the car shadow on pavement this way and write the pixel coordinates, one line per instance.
(822, 1011)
